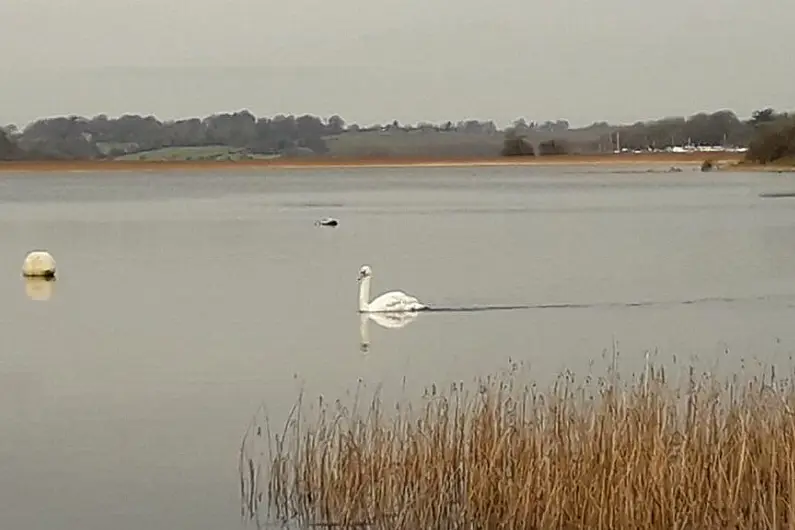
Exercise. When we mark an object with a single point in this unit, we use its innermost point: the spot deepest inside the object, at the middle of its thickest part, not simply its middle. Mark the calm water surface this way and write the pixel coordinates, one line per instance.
(187, 300)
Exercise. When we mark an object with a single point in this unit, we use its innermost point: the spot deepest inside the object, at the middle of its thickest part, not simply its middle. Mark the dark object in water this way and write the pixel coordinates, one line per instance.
(776, 195)
(327, 221)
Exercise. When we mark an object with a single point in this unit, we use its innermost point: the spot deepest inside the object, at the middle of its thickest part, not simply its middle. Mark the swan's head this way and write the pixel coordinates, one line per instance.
(365, 272)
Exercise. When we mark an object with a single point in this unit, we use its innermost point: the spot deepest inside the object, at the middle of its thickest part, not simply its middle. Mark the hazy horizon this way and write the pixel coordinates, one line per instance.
(616, 61)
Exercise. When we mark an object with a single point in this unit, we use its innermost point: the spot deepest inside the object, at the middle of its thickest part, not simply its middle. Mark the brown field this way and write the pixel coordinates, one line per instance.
(596, 453)
(328, 162)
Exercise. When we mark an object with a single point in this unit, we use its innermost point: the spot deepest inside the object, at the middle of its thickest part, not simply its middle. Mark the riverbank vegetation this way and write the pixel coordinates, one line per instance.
(774, 141)
(651, 451)
(241, 136)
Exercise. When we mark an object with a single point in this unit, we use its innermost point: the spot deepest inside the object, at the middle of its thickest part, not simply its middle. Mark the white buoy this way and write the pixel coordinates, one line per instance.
(39, 264)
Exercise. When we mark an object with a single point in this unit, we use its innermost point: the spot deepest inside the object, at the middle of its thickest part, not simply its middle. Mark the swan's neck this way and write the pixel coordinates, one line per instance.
(364, 294)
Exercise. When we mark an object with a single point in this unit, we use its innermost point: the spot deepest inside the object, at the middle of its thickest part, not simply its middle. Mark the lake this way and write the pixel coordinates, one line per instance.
(186, 300)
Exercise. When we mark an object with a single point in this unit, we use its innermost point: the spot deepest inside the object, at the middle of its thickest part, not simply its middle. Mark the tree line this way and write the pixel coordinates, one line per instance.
(774, 140)
(767, 134)
(76, 137)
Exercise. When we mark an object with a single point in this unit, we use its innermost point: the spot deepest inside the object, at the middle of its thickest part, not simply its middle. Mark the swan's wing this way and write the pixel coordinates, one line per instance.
(391, 301)
(411, 303)
(387, 302)
(395, 301)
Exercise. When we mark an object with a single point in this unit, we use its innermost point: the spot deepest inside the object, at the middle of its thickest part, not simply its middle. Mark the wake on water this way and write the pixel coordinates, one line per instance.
(649, 303)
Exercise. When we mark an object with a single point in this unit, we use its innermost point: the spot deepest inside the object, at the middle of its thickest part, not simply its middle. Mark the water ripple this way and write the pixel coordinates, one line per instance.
(604, 305)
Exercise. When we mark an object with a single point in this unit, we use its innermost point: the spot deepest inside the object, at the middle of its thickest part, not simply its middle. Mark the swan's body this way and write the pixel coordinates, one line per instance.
(391, 302)
(38, 264)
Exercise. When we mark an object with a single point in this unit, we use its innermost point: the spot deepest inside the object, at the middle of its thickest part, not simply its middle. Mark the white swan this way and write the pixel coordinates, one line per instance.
(391, 302)
(38, 264)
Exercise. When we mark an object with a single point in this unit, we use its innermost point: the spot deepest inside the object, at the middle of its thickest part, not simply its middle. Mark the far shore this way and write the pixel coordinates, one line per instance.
(722, 160)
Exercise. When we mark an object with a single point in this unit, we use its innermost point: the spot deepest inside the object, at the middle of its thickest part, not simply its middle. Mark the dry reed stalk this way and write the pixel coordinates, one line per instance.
(596, 454)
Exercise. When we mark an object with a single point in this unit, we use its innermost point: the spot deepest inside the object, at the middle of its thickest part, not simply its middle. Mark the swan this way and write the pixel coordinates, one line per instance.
(391, 302)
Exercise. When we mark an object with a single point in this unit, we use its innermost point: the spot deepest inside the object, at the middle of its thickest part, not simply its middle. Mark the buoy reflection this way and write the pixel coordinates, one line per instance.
(40, 289)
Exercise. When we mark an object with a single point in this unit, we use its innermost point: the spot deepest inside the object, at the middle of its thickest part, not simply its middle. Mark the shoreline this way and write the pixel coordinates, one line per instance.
(724, 161)
(765, 168)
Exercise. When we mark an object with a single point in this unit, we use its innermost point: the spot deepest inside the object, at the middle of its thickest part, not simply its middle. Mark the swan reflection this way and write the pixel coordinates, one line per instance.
(385, 320)
(39, 289)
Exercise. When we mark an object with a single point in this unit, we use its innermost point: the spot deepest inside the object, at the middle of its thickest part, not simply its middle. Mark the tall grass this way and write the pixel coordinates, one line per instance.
(597, 453)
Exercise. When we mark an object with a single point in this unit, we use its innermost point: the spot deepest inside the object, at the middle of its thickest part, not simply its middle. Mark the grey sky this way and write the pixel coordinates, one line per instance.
(379, 60)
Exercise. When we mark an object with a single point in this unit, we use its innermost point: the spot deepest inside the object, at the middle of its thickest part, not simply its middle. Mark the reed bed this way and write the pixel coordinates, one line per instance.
(596, 453)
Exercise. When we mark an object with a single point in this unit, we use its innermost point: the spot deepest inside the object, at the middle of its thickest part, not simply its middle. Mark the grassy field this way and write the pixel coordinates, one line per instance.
(366, 144)
(187, 154)
(415, 143)
(651, 451)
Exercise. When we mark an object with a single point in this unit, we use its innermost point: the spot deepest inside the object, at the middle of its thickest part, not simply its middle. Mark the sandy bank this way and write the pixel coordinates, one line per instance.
(769, 168)
(672, 159)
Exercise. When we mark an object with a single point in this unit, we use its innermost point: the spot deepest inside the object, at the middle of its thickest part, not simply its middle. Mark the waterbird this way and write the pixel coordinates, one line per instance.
(391, 302)
(326, 221)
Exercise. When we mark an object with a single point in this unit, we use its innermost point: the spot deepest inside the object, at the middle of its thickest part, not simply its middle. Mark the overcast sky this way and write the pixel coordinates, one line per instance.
(411, 60)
